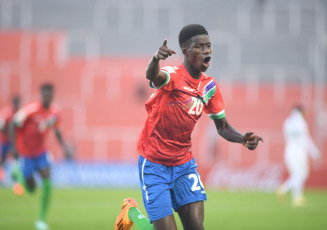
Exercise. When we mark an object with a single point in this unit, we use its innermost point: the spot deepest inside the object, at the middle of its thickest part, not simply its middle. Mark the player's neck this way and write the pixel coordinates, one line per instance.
(46, 106)
(191, 71)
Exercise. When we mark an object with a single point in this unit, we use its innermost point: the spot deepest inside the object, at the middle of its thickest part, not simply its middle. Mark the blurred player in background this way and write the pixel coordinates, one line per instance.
(28, 132)
(299, 146)
(167, 169)
(6, 115)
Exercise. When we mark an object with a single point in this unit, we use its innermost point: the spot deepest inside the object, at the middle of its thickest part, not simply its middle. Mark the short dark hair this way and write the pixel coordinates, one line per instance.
(189, 32)
(15, 97)
(46, 86)
(299, 108)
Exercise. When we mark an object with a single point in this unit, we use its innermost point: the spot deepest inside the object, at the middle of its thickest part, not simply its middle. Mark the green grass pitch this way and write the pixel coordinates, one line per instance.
(96, 209)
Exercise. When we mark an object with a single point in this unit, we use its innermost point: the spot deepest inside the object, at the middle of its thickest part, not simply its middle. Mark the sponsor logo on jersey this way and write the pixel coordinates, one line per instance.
(189, 89)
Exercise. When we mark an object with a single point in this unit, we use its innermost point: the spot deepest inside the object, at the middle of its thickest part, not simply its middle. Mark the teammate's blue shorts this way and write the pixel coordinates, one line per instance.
(31, 164)
(5, 146)
(167, 187)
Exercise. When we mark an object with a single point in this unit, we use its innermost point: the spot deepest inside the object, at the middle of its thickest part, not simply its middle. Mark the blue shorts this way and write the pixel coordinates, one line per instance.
(167, 187)
(5, 147)
(31, 164)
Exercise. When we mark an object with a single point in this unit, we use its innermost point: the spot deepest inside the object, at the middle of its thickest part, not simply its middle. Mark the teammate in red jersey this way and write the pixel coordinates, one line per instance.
(167, 169)
(28, 132)
(6, 115)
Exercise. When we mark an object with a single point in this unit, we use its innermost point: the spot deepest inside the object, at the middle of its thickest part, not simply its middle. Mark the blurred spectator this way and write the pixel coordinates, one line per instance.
(299, 146)
(141, 93)
(6, 115)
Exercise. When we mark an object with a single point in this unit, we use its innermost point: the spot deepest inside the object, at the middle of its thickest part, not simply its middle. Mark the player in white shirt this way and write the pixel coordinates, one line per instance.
(299, 147)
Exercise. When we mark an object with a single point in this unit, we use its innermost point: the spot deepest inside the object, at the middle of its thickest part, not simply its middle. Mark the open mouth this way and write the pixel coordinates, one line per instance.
(206, 60)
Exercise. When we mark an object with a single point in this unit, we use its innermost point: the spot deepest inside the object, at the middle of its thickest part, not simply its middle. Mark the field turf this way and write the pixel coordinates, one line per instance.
(96, 209)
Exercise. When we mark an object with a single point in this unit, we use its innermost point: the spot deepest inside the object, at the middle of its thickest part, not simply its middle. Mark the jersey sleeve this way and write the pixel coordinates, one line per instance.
(215, 104)
(171, 81)
(21, 116)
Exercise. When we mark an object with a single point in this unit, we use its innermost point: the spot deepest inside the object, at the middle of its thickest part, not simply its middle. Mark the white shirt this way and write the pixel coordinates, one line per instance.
(298, 141)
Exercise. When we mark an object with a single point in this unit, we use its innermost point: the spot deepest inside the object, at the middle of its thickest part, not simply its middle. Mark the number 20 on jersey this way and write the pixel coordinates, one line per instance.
(197, 106)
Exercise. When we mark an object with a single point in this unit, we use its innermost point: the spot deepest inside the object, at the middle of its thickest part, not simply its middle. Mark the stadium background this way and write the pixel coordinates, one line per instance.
(267, 56)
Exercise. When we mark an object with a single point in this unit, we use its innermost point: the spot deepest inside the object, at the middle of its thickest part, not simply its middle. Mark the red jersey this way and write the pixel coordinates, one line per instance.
(33, 124)
(6, 115)
(173, 109)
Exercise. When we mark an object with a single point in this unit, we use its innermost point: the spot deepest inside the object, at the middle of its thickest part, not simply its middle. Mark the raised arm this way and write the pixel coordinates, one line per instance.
(153, 72)
(249, 140)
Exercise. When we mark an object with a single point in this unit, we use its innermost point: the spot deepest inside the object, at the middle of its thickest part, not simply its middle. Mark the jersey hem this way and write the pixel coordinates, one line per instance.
(168, 165)
(33, 155)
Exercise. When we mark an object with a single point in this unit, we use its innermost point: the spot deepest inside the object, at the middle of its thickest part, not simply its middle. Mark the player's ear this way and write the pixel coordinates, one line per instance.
(184, 50)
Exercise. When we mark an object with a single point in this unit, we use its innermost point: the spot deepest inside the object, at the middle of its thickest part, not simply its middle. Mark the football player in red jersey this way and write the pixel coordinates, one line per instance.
(167, 169)
(6, 115)
(28, 133)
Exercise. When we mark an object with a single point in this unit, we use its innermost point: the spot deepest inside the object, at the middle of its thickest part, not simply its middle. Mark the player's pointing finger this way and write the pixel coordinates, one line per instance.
(164, 43)
(248, 134)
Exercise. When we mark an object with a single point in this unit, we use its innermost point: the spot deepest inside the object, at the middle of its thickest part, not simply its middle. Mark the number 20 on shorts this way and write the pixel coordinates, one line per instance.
(196, 183)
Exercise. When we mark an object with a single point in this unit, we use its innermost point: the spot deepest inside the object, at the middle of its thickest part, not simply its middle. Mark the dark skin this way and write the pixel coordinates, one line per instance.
(46, 97)
(15, 105)
(197, 51)
(15, 102)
